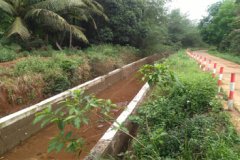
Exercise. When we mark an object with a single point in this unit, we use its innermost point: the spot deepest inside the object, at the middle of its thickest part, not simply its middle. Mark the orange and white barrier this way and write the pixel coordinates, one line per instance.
(204, 64)
(231, 93)
(209, 64)
(200, 62)
(220, 79)
(214, 70)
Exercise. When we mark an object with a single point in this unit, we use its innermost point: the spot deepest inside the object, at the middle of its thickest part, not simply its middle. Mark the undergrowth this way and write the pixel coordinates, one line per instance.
(57, 71)
(184, 120)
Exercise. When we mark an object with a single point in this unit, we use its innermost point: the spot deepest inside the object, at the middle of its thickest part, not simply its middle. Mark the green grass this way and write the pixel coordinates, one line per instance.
(228, 56)
(185, 120)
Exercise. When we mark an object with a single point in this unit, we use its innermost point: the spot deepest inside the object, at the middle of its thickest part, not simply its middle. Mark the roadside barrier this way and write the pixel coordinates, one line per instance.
(231, 93)
(200, 62)
(207, 67)
(204, 64)
(220, 79)
(209, 64)
(214, 70)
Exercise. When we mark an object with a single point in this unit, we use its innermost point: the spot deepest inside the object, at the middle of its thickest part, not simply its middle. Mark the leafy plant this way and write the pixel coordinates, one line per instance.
(72, 112)
(157, 73)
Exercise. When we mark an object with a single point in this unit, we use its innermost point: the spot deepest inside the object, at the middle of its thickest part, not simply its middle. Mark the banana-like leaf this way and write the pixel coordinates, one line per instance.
(7, 7)
(55, 21)
(18, 27)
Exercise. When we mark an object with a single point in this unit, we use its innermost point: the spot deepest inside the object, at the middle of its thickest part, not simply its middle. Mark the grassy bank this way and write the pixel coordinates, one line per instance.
(35, 75)
(184, 120)
(228, 56)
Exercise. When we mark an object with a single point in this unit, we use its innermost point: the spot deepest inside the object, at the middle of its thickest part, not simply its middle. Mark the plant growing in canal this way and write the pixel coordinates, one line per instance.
(157, 73)
(72, 114)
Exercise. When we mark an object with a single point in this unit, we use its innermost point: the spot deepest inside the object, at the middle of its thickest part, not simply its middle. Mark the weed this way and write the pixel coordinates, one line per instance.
(72, 113)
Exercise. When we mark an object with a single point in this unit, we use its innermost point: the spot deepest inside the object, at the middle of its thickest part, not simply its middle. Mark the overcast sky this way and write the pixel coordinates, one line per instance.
(195, 9)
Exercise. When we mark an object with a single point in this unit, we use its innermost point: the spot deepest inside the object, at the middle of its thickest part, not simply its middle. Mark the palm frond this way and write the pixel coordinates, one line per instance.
(78, 33)
(59, 5)
(18, 27)
(93, 22)
(55, 21)
(7, 7)
(96, 8)
(47, 18)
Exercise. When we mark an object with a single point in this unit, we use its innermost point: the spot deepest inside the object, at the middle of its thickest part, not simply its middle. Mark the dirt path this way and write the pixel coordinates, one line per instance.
(229, 67)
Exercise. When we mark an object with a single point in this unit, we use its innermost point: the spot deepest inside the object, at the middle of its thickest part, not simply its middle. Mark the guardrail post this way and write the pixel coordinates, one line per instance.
(220, 79)
(231, 93)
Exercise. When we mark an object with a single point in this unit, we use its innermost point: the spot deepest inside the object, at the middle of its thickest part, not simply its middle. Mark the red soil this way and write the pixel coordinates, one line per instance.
(35, 148)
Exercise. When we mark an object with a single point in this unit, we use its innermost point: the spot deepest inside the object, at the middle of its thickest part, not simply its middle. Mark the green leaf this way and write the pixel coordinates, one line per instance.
(77, 122)
(38, 118)
(61, 125)
(45, 122)
(69, 118)
(68, 135)
(59, 147)
(7, 7)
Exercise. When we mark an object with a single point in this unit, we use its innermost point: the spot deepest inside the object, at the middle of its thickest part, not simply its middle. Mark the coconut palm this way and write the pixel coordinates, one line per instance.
(49, 13)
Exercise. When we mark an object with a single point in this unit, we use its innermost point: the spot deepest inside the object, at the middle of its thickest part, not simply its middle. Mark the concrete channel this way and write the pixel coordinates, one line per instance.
(17, 128)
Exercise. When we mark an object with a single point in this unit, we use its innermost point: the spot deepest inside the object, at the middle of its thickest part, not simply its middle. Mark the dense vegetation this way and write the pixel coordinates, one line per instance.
(62, 43)
(188, 121)
(221, 27)
(45, 73)
(144, 24)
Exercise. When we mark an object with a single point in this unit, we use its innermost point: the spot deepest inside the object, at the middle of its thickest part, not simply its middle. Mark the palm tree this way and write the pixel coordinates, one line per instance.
(50, 13)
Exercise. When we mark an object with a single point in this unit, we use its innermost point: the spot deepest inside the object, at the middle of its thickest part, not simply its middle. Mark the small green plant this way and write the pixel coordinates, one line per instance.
(157, 73)
(73, 112)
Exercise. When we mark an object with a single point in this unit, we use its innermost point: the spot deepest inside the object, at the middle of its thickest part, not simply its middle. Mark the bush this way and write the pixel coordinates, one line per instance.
(7, 54)
(31, 65)
(56, 82)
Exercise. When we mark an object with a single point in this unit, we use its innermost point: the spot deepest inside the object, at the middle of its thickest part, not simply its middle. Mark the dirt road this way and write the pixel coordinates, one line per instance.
(229, 67)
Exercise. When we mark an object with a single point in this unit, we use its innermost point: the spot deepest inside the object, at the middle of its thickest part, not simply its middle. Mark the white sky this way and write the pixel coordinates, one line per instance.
(195, 9)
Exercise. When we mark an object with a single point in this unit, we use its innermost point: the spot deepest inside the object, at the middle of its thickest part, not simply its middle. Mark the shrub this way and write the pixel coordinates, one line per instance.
(7, 54)
(31, 65)
(56, 82)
